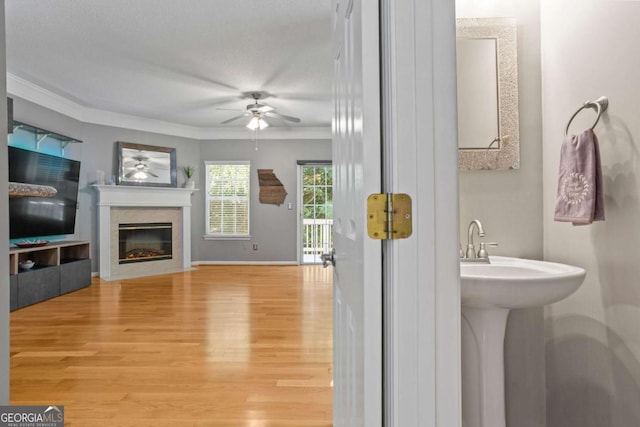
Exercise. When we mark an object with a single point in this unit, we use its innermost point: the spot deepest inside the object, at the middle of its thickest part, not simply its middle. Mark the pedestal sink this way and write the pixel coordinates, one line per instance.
(488, 292)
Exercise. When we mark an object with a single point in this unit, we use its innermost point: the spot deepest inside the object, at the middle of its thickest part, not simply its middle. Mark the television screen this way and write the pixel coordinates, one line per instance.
(43, 194)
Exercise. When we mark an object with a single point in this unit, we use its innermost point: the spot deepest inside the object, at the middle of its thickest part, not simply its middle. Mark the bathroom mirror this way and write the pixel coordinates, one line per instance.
(487, 78)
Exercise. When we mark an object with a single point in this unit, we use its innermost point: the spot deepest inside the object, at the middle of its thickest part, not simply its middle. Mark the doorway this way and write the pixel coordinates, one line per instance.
(315, 219)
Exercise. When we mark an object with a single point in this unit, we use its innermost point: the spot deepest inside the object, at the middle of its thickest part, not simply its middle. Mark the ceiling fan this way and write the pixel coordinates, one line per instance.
(140, 170)
(258, 112)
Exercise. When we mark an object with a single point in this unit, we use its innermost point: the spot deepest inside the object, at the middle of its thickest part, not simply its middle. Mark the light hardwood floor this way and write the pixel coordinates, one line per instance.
(221, 346)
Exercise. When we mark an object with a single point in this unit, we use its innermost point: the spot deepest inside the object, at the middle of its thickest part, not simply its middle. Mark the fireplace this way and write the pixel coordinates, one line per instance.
(142, 242)
(125, 204)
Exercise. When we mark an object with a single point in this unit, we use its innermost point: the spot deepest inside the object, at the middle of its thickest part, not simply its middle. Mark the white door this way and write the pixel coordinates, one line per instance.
(315, 221)
(356, 161)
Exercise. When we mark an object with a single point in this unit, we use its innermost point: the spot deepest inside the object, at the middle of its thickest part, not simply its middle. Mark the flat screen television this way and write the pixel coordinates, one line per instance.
(43, 194)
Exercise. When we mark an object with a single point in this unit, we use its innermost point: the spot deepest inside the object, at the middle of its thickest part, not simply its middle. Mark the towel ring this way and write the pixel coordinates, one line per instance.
(600, 105)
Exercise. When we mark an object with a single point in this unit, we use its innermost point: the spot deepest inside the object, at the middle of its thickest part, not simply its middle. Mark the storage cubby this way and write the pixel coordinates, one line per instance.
(60, 267)
(42, 258)
(74, 253)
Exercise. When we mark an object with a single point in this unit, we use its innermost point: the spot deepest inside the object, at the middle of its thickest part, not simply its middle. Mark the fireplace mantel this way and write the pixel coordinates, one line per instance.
(121, 196)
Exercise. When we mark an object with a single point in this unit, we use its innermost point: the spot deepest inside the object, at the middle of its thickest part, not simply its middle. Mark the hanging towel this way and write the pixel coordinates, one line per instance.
(580, 197)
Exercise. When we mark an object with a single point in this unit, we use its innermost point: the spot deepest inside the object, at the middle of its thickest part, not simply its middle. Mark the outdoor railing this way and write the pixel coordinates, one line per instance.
(317, 236)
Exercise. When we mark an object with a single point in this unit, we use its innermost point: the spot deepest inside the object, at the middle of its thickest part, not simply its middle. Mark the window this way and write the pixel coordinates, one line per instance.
(227, 199)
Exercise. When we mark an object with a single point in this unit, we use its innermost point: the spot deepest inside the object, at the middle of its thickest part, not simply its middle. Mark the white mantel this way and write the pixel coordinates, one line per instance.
(119, 196)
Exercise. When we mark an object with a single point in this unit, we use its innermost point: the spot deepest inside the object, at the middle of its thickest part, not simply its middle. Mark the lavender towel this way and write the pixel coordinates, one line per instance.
(580, 197)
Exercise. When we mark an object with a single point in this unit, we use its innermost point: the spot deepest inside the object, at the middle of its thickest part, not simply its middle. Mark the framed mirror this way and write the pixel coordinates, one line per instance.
(487, 78)
(146, 165)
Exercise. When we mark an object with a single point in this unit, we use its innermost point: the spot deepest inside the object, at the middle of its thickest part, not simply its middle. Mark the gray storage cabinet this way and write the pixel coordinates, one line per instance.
(60, 267)
(38, 285)
(75, 275)
(13, 292)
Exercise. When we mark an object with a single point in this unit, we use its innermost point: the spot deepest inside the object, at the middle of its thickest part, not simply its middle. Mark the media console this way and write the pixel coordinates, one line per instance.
(60, 267)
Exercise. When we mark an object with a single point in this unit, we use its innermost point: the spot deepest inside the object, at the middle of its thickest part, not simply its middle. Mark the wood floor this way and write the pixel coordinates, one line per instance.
(222, 346)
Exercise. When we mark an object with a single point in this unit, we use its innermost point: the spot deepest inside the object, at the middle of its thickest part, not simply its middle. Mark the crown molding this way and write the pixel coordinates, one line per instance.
(21, 88)
(24, 89)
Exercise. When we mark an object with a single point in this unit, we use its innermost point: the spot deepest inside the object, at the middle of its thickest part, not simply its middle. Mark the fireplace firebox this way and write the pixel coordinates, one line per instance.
(144, 242)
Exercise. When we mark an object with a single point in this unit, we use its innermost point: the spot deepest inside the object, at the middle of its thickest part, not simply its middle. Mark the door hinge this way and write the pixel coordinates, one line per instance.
(389, 216)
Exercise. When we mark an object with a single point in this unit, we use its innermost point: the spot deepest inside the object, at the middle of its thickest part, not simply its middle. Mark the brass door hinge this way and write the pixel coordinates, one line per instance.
(389, 216)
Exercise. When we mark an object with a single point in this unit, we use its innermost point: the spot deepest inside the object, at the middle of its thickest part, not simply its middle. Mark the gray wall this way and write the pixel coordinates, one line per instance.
(97, 152)
(509, 204)
(273, 228)
(592, 337)
(4, 232)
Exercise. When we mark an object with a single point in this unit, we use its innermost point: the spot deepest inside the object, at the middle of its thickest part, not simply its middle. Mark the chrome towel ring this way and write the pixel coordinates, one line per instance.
(599, 105)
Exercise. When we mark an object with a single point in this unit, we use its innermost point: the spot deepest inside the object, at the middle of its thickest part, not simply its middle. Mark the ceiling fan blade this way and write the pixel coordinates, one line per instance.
(230, 109)
(264, 108)
(130, 174)
(232, 119)
(223, 100)
(306, 97)
(282, 116)
(207, 103)
(151, 173)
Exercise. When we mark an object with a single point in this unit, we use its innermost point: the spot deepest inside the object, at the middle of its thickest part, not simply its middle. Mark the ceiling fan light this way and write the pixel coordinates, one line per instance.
(140, 175)
(262, 123)
(254, 123)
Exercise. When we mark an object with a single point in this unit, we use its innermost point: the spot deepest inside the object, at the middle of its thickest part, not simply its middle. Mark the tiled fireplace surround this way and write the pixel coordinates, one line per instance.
(128, 204)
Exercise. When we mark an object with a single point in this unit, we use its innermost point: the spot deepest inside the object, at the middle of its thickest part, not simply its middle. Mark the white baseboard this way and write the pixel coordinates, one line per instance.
(196, 263)
(137, 276)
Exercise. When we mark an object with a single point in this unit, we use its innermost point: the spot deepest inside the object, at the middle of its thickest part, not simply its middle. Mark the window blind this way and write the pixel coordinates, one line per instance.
(227, 198)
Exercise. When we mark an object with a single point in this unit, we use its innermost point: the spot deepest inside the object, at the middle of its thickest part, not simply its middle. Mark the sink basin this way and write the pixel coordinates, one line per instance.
(517, 283)
(488, 293)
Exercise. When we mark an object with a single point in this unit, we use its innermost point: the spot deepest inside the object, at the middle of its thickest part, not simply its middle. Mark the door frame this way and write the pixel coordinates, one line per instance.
(300, 207)
(4, 229)
(421, 276)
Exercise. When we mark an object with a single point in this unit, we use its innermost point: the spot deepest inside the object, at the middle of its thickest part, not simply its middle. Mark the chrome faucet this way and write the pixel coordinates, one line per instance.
(470, 255)
(471, 250)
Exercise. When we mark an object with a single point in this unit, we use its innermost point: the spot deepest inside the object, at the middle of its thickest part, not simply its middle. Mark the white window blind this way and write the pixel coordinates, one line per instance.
(227, 199)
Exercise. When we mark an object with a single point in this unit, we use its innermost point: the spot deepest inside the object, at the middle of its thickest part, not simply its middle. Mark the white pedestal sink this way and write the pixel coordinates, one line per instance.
(488, 292)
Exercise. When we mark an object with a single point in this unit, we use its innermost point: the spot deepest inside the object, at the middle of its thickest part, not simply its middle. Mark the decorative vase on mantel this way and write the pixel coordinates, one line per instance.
(188, 173)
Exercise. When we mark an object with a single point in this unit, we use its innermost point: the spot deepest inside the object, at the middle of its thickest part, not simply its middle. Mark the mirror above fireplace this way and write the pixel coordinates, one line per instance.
(146, 165)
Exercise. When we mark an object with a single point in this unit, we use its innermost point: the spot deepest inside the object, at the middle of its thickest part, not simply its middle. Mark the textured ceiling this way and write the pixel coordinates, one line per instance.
(177, 61)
